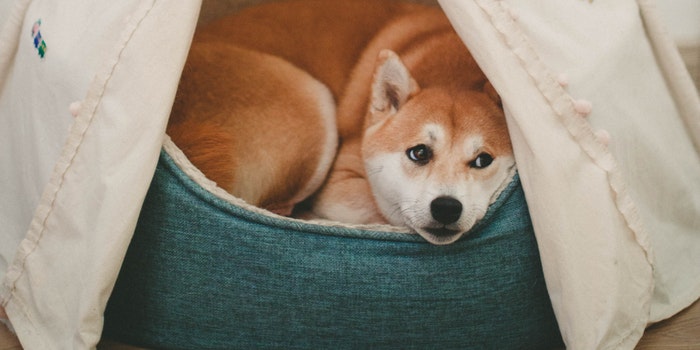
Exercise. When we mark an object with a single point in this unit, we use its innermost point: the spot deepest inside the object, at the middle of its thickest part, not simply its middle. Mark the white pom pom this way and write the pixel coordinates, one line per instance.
(603, 136)
(583, 107)
(563, 80)
(514, 15)
(74, 108)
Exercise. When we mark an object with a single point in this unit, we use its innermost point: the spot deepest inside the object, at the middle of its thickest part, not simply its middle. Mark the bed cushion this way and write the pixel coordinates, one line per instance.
(203, 273)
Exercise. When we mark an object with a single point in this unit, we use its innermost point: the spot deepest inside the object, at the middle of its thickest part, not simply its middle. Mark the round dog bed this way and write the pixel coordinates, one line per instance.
(203, 273)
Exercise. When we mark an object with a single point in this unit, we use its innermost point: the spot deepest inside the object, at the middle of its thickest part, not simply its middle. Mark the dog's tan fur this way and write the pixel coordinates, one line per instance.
(259, 127)
(401, 77)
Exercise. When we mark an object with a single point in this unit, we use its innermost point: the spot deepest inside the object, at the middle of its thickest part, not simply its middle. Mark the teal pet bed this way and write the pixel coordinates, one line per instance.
(202, 273)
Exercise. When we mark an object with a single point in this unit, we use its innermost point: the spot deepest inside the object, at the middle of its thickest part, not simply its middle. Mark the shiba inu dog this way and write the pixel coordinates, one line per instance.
(435, 156)
(259, 127)
(424, 142)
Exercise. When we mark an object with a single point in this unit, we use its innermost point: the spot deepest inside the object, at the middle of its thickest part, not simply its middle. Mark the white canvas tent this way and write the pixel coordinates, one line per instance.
(86, 89)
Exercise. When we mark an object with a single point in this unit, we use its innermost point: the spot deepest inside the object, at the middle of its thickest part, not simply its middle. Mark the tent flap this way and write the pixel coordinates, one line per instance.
(616, 220)
(87, 107)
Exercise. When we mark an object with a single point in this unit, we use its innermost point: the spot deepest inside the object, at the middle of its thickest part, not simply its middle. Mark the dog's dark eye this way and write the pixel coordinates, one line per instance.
(420, 154)
(482, 161)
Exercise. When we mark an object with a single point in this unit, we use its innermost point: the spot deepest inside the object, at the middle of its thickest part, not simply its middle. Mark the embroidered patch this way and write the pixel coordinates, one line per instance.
(39, 42)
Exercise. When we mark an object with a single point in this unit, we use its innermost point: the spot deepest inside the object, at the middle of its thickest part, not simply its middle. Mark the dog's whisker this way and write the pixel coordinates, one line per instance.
(374, 170)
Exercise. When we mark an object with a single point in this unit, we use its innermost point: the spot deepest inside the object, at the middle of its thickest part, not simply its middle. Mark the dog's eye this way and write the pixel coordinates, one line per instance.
(482, 161)
(420, 154)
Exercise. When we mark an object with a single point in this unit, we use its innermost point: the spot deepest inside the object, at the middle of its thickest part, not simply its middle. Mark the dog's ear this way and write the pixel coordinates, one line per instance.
(490, 91)
(392, 85)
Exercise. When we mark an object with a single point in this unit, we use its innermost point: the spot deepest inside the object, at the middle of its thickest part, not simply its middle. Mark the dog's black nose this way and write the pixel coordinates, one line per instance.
(446, 210)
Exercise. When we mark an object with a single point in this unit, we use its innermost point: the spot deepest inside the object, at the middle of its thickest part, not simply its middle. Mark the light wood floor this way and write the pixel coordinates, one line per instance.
(681, 332)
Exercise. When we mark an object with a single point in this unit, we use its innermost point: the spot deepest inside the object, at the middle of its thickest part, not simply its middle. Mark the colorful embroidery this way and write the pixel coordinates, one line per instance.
(39, 42)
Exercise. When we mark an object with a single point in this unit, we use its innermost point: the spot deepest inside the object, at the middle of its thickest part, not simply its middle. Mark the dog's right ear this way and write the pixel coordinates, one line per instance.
(392, 85)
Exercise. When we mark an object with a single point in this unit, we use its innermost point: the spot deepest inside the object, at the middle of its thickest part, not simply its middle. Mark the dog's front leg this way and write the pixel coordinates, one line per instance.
(346, 196)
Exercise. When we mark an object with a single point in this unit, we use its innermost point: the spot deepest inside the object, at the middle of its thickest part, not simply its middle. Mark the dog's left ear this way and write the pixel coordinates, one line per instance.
(490, 91)
(392, 85)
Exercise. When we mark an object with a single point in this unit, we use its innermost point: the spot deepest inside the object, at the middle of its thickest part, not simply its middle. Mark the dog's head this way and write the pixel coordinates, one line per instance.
(435, 157)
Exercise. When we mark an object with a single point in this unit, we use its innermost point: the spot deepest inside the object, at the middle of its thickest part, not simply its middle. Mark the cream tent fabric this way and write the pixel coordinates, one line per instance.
(77, 183)
(617, 225)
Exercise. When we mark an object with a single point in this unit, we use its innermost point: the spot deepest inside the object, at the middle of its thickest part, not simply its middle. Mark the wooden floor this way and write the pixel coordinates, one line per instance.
(680, 332)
